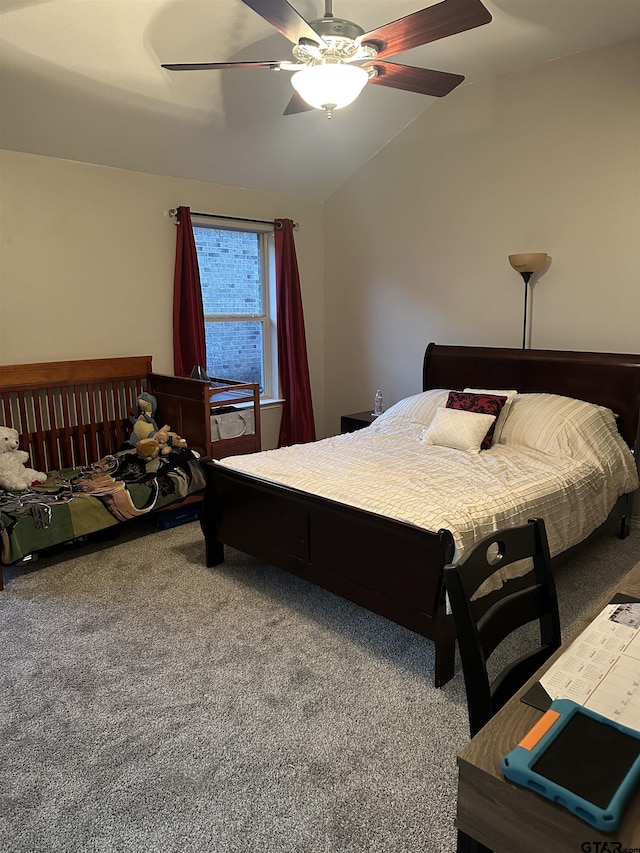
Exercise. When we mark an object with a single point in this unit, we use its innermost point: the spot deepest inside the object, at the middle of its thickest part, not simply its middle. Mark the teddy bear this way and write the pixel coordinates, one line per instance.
(169, 440)
(159, 444)
(144, 426)
(13, 474)
(148, 449)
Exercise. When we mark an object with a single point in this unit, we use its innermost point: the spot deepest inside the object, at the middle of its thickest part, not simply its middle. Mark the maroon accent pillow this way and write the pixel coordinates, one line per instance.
(484, 404)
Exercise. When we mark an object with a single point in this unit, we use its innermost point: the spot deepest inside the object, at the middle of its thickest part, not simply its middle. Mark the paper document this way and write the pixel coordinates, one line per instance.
(601, 668)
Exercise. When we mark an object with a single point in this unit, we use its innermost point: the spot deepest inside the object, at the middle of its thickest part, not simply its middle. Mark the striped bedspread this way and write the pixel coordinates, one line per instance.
(572, 483)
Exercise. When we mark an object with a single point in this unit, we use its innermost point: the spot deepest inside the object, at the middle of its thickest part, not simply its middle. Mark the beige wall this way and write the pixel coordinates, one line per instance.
(416, 243)
(414, 246)
(87, 258)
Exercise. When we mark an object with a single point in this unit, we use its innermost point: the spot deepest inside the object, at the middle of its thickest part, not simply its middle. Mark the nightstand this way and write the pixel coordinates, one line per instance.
(355, 421)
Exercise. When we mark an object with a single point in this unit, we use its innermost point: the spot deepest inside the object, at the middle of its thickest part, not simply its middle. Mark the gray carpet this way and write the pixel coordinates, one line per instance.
(151, 704)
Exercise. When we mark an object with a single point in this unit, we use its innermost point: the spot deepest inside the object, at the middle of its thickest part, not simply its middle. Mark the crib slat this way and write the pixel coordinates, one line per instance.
(79, 434)
(92, 451)
(105, 434)
(23, 427)
(39, 440)
(53, 453)
(117, 414)
(5, 414)
(66, 445)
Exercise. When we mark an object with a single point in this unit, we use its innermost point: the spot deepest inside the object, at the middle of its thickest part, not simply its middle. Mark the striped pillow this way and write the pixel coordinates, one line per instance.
(562, 426)
(419, 409)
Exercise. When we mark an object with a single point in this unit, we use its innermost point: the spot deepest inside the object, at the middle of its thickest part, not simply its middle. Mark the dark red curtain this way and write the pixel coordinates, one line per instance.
(296, 426)
(189, 349)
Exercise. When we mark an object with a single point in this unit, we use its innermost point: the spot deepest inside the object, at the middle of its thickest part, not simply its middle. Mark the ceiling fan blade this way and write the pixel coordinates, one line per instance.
(282, 15)
(430, 24)
(420, 80)
(296, 105)
(220, 66)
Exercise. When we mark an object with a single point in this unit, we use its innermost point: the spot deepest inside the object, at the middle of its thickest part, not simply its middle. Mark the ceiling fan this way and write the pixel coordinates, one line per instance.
(334, 58)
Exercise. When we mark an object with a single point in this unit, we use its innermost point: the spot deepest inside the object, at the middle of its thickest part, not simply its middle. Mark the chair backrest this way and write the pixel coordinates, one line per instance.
(483, 622)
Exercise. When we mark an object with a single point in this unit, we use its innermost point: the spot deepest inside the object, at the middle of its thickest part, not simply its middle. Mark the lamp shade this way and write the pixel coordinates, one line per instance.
(528, 261)
(330, 86)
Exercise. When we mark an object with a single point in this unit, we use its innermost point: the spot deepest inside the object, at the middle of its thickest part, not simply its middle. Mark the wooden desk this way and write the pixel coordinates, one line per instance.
(510, 819)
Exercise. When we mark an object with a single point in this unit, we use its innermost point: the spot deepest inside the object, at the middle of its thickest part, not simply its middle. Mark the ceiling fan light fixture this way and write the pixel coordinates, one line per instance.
(330, 86)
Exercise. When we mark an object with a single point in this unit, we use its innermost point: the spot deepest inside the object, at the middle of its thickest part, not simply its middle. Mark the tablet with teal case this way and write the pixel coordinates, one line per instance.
(581, 760)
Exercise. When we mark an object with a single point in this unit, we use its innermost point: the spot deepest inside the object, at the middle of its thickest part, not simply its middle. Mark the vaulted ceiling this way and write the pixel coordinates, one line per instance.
(82, 80)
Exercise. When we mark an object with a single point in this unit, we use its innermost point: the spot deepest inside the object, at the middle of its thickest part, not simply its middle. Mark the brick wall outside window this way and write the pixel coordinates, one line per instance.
(230, 277)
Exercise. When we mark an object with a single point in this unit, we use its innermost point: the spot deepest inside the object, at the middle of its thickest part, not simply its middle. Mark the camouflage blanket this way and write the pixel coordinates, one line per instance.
(75, 502)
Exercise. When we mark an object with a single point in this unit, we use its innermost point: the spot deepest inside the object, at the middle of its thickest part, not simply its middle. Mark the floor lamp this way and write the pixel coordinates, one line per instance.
(526, 264)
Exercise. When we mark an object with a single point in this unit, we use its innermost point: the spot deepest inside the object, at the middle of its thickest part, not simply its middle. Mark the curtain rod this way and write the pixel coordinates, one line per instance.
(173, 212)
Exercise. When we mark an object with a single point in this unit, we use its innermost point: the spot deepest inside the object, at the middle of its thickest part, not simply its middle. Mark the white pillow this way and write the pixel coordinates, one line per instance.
(458, 429)
(510, 395)
(418, 409)
(564, 426)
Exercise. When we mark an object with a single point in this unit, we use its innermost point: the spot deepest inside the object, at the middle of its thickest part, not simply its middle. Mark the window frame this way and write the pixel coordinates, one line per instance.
(266, 242)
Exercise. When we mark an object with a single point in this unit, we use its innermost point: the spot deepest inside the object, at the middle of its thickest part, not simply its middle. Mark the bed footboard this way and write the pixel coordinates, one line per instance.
(389, 567)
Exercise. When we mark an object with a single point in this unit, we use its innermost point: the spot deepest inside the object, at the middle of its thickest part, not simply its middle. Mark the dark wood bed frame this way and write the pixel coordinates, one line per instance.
(390, 567)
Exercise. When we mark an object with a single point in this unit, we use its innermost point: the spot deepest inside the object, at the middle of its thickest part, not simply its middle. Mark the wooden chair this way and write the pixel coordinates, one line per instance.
(483, 623)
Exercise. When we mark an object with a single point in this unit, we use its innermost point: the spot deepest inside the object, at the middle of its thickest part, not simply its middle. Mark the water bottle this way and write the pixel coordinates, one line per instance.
(377, 403)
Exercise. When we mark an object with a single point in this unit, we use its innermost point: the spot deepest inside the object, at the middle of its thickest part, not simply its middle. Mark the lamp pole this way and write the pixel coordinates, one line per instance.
(526, 276)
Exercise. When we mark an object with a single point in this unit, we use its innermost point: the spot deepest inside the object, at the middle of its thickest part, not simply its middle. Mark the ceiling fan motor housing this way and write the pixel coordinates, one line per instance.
(340, 35)
(338, 28)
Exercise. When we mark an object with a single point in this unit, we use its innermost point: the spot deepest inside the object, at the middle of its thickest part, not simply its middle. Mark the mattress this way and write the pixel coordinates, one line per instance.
(393, 473)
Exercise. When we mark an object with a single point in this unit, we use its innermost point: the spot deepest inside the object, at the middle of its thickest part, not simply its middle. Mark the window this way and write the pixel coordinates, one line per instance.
(236, 266)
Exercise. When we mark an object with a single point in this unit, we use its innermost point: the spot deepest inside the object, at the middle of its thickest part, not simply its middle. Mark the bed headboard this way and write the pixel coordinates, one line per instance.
(608, 379)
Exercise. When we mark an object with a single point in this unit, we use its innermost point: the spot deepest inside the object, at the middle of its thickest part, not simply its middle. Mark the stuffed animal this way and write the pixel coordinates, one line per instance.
(169, 440)
(144, 426)
(159, 444)
(13, 474)
(147, 449)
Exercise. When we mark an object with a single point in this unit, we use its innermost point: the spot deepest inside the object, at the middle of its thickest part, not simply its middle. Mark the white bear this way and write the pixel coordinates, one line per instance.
(13, 475)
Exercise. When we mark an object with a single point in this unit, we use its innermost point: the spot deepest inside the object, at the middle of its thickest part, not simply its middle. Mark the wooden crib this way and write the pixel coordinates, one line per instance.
(70, 414)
